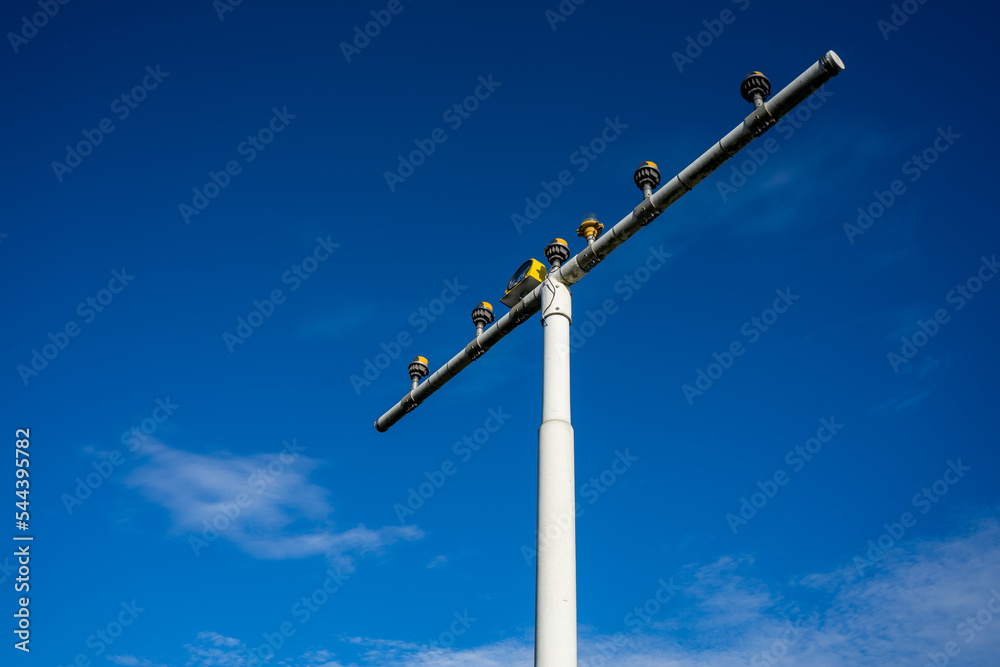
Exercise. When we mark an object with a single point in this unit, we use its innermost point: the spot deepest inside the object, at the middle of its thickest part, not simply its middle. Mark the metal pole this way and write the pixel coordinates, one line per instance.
(761, 118)
(555, 587)
(555, 592)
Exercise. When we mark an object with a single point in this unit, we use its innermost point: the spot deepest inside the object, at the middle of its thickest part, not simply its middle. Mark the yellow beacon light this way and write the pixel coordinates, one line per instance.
(417, 370)
(528, 277)
(557, 252)
(590, 228)
(755, 88)
(647, 177)
(482, 315)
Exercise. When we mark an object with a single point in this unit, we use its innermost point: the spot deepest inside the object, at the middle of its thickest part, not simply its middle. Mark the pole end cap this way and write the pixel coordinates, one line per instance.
(832, 63)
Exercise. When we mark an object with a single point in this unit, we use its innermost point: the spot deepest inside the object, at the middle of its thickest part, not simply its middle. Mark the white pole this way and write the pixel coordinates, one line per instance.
(555, 586)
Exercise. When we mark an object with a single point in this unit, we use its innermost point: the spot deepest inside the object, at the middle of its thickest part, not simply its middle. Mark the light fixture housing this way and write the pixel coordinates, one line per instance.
(647, 177)
(590, 228)
(528, 277)
(417, 370)
(755, 88)
(557, 252)
(482, 315)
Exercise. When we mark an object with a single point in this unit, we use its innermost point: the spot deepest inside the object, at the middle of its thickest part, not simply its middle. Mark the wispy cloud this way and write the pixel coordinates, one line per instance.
(133, 661)
(785, 199)
(919, 599)
(318, 658)
(214, 650)
(913, 605)
(903, 321)
(919, 381)
(905, 400)
(264, 503)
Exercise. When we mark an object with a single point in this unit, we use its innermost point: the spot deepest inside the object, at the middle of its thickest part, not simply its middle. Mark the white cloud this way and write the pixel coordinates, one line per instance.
(918, 598)
(215, 650)
(132, 661)
(216, 639)
(264, 503)
(314, 658)
(913, 603)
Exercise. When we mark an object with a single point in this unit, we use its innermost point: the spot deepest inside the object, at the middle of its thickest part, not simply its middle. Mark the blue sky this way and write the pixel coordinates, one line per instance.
(221, 216)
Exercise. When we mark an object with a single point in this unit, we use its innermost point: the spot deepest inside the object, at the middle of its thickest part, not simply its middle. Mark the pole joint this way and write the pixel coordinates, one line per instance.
(645, 212)
(556, 300)
(760, 120)
(474, 349)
